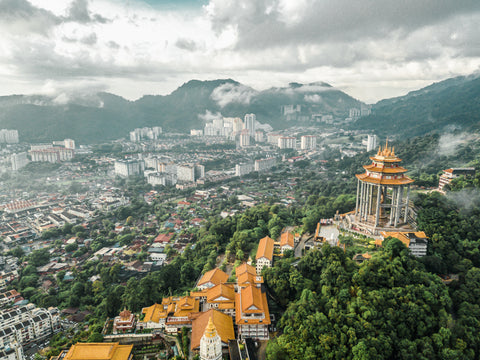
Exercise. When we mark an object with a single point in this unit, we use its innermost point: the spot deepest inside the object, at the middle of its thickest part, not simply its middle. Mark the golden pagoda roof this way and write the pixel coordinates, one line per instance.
(383, 169)
(210, 330)
(387, 154)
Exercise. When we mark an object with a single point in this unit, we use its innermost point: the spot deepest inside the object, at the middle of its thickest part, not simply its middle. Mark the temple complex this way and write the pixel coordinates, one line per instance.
(383, 194)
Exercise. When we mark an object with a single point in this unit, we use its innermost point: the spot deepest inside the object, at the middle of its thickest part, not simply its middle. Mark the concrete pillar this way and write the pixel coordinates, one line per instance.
(356, 204)
(377, 210)
(399, 204)
(370, 200)
(406, 203)
(392, 207)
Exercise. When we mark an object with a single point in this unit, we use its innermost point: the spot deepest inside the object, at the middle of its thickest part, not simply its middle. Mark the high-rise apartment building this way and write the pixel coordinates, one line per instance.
(308, 142)
(249, 123)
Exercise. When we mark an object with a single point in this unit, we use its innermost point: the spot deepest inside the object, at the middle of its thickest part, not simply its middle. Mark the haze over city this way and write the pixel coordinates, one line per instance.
(369, 49)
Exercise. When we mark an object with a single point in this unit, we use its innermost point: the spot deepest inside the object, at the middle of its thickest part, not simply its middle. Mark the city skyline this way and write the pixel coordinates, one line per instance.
(371, 50)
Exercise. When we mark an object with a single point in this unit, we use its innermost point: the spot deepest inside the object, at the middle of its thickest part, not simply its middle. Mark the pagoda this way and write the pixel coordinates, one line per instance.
(382, 193)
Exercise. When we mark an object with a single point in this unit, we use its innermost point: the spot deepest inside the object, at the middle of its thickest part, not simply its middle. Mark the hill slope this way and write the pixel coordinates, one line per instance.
(444, 106)
(103, 116)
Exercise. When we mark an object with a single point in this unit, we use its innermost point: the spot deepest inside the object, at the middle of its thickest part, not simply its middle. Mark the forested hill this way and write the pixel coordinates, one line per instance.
(440, 107)
(98, 117)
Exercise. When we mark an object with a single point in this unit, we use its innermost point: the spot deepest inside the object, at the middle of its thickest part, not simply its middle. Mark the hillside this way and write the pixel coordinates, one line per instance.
(453, 104)
(99, 117)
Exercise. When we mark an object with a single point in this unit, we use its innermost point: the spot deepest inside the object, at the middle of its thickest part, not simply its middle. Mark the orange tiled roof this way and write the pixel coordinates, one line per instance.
(250, 299)
(265, 248)
(401, 235)
(245, 268)
(287, 239)
(402, 181)
(215, 276)
(389, 170)
(221, 292)
(99, 351)
(222, 322)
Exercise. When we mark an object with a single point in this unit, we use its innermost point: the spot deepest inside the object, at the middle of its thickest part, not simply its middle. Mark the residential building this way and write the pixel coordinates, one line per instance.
(287, 242)
(145, 133)
(416, 242)
(96, 351)
(287, 142)
(69, 144)
(19, 161)
(264, 164)
(273, 138)
(51, 154)
(8, 136)
(264, 255)
(371, 142)
(259, 136)
(452, 173)
(249, 123)
(161, 179)
(308, 142)
(195, 132)
(244, 138)
(244, 169)
(23, 325)
(129, 167)
(190, 172)
(251, 313)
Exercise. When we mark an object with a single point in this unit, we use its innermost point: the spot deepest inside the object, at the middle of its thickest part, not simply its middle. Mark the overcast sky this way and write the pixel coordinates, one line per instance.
(371, 49)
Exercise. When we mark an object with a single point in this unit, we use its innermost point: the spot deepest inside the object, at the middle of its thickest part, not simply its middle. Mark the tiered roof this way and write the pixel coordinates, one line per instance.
(384, 169)
(246, 274)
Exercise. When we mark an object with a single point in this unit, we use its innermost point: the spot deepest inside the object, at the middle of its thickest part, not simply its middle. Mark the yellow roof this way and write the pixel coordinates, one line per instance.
(99, 351)
(403, 180)
(215, 276)
(154, 313)
(265, 248)
(223, 323)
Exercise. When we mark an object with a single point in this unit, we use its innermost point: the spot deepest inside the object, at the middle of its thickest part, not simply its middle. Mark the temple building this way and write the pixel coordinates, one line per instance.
(210, 343)
(383, 194)
(125, 322)
(96, 351)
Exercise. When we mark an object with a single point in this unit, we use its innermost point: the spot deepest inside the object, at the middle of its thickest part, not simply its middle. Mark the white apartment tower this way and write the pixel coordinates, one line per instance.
(19, 161)
(308, 142)
(8, 136)
(250, 120)
(287, 142)
(244, 138)
(371, 142)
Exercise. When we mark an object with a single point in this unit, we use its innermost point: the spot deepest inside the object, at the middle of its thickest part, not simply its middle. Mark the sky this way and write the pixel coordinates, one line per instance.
(371, 49)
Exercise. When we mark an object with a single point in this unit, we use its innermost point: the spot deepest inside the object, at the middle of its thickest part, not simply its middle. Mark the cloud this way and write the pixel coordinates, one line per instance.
(186, 44)
(209, 116)
(78, 12)
(448, 143)
(232, 93)
(315, 98)
(20, 17)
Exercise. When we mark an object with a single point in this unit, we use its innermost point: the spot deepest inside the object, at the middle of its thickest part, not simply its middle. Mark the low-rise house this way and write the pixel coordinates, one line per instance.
(264, 255)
